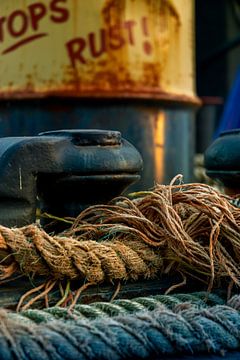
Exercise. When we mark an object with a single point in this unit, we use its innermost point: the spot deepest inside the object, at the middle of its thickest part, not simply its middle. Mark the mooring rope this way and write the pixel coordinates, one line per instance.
(185, 328)
(189, 228)
(118, 307)
(38, 253)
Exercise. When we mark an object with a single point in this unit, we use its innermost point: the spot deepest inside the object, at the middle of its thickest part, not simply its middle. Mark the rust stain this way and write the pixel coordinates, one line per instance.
(113, 74)
(173, 11)
(96, 93)
(112, 11)
(151, 75)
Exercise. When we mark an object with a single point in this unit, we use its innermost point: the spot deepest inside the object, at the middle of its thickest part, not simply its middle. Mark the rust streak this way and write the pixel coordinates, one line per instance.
(173, 12)
(94, 93)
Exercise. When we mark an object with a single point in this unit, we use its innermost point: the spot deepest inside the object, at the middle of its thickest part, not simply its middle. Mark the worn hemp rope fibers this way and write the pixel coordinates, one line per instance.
(190, 228)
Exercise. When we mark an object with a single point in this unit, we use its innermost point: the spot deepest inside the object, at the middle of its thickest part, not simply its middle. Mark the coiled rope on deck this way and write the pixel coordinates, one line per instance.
(183, 329)
(190, 228)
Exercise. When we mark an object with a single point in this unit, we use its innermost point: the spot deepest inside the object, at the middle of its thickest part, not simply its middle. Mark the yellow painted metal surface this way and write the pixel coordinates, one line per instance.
(101, 48)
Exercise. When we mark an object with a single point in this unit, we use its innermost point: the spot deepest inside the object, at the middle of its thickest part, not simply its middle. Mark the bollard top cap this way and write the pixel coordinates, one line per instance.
(89, 137)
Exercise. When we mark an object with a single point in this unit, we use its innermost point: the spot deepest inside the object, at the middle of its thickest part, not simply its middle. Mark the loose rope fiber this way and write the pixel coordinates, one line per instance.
(184, 329)
(189, 228)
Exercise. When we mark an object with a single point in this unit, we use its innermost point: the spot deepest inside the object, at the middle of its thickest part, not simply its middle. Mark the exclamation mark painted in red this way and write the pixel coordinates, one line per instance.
(147, 46)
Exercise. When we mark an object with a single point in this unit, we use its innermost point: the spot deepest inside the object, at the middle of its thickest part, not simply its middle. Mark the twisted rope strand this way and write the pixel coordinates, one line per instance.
(121, 307)
(190, 228)
(40, 254)
(185, 328)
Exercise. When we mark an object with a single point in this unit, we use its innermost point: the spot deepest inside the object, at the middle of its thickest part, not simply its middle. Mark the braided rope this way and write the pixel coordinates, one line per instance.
(186, 328)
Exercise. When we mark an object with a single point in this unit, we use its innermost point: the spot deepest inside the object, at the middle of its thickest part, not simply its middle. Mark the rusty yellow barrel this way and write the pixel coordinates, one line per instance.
(120, 64)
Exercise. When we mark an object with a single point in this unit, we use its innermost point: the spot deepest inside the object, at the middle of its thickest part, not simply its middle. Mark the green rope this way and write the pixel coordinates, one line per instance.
(187, 328)
(119, 307)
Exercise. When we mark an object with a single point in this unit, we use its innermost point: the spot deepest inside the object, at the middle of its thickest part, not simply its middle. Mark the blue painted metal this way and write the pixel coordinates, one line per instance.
(231, 114)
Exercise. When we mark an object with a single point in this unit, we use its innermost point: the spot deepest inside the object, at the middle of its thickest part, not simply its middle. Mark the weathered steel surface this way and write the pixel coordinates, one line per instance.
(67, 170)
(222, 160)
(97, 48)
(163, 136)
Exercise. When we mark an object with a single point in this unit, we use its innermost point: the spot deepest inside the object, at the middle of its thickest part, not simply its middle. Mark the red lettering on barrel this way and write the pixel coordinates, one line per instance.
(62, 13)
(2, 21)
(75, 48)
(37, 12)
(129, 26)
(11, 24)
(116, 40)
(93, 46)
